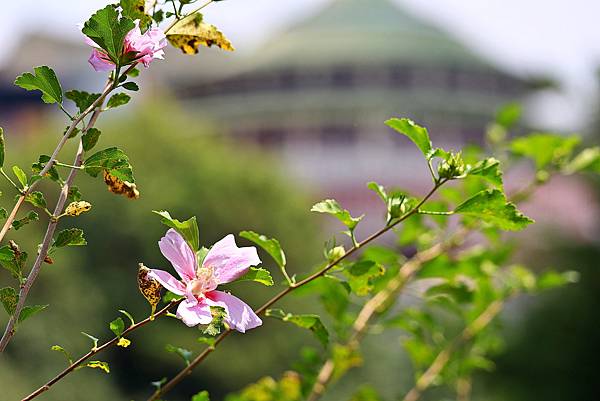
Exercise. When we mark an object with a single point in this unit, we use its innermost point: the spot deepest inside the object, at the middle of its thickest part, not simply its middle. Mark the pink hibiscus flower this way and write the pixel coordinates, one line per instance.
(224, 263)
(147, 47)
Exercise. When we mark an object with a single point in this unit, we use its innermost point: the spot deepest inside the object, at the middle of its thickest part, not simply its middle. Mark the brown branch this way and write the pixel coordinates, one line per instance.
(379, 302)
(8, 223)
(188, 369)
(96, 350)
(443, 357)
(96, 107)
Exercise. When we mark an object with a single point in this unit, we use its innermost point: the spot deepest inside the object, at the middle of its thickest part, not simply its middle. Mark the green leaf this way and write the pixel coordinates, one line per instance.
(41, 163)
(135, 9)
(361, 275)
(20, 174)
(8, 260)
(553, 279)
(217, 323)
(545, 148)
(113, 160)
(331, 206)
(31, 216)
(83, 100)
(44, 80)
(208, 340)
(60, 349)
(415, 132)
(185, 354)
(188, 228)
(132, 86)
(91, 337)
(118, 99)
(74, 194)
(123, 311)
(2, 150)
(90, 138)
(270, 245)
(170, 296)
(29, 311)
(508, 115)
(117, 326)
(395, 202)
(588, 160)
(492, 207)
(9, 298)
(308, 321)
(98, 365)
(201, 396)
(69, 237)
(259, 275)
(488, 169)
(3, 213)
(108, 31)
(36, 199)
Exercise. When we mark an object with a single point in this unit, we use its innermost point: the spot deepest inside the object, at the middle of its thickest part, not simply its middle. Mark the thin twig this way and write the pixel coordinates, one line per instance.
(379, 302)
(96, 107)
(96, 350)
(50, 163)
(188, 369)
(178, 18)
(443, 357)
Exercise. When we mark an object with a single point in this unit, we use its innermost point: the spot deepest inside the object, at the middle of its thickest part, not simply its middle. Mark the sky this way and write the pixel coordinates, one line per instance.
(559, 38)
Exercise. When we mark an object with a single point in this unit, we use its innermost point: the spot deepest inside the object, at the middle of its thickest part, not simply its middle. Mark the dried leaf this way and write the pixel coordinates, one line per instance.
(119, 187)
(190, 33)
(149, 287)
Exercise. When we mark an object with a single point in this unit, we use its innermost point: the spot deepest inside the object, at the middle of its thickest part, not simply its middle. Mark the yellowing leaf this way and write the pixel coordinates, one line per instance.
(190, 33)
(76, 208)
(149, 287)
(123, 342)
(98, 365)
(116, 186)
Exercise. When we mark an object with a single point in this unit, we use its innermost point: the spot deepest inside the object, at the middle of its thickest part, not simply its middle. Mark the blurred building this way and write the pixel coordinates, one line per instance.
(318, 94)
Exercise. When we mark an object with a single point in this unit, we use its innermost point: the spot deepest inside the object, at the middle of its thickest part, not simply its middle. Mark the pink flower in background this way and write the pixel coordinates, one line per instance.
(147, 47)
(224, 263)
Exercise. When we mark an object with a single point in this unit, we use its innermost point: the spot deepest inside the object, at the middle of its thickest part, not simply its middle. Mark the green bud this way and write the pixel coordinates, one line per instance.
(336, 253)
(452, 167)
(542, 176)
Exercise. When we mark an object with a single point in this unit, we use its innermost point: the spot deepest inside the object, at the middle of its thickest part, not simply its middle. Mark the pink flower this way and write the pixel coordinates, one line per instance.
(224, 263)
(146, 47)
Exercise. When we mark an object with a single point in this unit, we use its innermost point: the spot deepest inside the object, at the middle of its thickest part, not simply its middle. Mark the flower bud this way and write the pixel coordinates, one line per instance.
(453, 167)
(76, 208)
(336, 253)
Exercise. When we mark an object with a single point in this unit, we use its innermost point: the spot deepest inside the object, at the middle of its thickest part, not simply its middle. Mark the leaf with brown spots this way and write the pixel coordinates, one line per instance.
(191, 32)
(149, 287)
(119, 187)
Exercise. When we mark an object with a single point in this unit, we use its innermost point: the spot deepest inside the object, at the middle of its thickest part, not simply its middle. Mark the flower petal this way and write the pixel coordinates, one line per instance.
(167, 281)
(228, 261)
(240, 316)
(100, 61)
(179, 253)
(194, 314)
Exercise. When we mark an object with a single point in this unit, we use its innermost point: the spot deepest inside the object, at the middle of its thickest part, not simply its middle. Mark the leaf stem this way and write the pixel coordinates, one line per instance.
(97, 349)
(207, 351)
(179, 18)
(434, 213)
(20, 190)
(49, 164)
(96, 108)
(56, 162)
